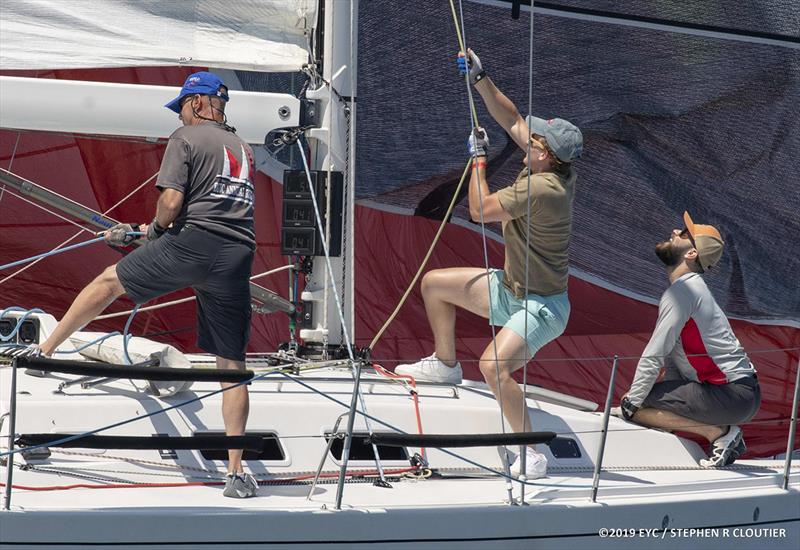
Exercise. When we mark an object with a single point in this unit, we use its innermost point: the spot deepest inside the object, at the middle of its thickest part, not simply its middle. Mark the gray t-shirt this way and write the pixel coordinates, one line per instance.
(213, 168)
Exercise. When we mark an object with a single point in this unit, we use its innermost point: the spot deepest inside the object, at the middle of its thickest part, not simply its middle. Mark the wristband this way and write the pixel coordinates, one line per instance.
(480, 76)
(154, 230)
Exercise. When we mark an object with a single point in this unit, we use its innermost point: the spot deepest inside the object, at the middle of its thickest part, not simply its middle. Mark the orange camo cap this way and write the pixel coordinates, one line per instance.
(707, 240)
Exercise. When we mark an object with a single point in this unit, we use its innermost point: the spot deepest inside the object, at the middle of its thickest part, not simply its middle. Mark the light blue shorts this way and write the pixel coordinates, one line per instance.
(546, 315)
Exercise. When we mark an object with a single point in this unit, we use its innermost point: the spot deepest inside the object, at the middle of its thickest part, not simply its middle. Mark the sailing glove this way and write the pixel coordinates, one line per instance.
(478, 143)
(627, 408)
(476, 72)
(154, 230)
(122, 234)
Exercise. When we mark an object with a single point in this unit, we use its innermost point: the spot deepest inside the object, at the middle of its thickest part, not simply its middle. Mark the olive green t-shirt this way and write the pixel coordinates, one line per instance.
(550, 228)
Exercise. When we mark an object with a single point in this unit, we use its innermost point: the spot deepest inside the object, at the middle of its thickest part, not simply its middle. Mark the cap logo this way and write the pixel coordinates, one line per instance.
(550, 122)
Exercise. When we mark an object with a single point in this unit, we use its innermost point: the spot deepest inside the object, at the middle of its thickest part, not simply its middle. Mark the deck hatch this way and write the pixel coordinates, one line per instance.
(564, 447)
(361, 450)
(272, 451)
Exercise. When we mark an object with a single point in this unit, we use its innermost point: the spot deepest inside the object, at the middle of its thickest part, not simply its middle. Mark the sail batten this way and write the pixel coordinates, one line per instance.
(268, 35)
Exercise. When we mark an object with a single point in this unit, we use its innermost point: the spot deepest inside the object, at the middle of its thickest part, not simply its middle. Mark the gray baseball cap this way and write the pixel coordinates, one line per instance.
(563, 137)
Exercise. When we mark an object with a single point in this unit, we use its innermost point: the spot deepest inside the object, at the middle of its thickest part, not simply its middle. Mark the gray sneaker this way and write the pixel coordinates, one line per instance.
(240, 486)
(725, 449)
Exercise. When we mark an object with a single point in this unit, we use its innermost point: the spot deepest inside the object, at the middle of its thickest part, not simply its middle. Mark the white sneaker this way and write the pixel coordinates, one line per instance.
(431, 369)
(535, 464)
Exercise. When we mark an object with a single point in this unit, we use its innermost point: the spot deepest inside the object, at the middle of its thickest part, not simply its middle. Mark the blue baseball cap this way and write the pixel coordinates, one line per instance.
(199, 83)
(563, 137)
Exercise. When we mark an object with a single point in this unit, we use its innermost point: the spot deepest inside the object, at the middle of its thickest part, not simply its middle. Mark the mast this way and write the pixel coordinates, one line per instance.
(333, 151)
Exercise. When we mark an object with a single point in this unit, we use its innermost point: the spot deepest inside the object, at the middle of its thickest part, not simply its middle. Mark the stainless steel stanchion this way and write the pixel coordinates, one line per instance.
(598, 463)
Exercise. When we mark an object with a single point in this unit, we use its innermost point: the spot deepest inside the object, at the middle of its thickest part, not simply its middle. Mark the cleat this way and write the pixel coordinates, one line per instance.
(240, 486)
(431, 369)
(725, 449)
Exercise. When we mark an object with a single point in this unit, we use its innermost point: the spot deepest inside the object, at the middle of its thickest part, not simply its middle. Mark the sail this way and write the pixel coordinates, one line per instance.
(265, 35)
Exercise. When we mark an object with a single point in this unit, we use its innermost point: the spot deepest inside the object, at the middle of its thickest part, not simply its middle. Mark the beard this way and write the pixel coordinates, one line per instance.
(668, 254)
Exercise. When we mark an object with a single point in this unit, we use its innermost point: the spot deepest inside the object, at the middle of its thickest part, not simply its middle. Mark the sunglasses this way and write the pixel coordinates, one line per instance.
(684, 234)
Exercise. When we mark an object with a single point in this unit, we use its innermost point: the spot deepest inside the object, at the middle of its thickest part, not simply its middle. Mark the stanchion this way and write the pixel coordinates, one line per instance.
(12, 426)
(792, 430)
(598, 463)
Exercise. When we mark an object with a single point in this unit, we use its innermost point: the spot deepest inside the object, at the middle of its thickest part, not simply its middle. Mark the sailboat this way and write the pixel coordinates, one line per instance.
(346, 453)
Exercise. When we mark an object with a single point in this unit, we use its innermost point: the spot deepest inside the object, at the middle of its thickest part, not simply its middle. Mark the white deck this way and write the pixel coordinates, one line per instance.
(651, 479)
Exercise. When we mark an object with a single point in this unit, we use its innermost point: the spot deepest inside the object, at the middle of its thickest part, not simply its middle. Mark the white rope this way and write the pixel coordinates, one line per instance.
(183, 300)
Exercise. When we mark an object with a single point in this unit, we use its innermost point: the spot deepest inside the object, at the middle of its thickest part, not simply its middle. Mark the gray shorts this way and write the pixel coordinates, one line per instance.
(217, 268)
(713, 404)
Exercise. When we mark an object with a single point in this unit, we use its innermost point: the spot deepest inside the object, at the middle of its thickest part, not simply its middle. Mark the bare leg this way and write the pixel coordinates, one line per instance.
(445, 289)
(512, 354)
(657, 418)
(235, 408)
(91, 301)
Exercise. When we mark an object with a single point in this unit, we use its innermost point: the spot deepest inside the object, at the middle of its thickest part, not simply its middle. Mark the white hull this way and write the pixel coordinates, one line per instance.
(652, 481)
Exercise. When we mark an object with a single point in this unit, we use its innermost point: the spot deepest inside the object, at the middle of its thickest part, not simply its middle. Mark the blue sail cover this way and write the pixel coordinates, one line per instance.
(671, 122)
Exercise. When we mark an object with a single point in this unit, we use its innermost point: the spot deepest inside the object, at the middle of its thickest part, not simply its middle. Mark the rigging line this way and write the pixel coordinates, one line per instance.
(135, 418)
(377, 420)
(49, 253)
(427, 257)
(608, 358)
(340, 310)
(476, 175)
(183, 300)
(525, 416)
(11, 162)
(75, 236)
(41, 207)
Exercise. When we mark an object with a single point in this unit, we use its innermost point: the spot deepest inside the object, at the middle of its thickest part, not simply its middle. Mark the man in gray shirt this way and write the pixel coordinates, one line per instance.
(713, 386)
(201, 237)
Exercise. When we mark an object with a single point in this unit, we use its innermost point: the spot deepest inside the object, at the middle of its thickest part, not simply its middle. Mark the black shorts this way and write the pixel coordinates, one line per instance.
(217, 268)
(713, 404)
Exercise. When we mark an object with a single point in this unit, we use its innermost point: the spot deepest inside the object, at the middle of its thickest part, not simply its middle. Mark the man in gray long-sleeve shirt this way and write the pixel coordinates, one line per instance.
(715, 386)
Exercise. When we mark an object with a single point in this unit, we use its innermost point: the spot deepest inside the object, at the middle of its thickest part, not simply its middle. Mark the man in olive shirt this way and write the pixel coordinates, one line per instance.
(536, 215)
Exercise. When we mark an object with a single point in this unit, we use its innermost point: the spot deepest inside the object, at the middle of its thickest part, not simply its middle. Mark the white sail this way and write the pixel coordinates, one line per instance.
(264, 35)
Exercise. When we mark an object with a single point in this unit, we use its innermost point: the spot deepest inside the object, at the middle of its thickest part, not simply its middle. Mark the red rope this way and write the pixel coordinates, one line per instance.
(413, 383)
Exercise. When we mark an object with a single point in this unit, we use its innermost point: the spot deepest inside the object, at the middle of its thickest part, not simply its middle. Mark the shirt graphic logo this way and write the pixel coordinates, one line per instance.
(234, 181)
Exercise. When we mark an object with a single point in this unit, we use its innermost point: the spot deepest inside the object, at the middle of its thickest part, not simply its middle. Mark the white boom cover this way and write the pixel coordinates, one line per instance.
(263, 35)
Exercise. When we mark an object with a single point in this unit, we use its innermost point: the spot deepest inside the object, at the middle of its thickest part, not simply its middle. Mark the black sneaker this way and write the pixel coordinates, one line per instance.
(240, 486)
(725, 449)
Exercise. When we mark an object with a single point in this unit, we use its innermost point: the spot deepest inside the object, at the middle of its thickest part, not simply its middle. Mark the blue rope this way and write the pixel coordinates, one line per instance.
(65, 249)
(51, 253)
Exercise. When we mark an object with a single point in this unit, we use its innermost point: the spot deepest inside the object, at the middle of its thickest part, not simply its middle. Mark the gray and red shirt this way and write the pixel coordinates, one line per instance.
(693, 331)
(213, 168)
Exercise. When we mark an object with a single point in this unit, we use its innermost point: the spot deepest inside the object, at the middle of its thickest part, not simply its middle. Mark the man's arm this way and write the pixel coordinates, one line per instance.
(169, 206)
(479, 191)
(672, 316)
(500, 107)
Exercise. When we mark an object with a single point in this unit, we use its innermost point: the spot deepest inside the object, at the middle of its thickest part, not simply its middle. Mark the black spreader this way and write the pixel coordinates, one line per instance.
(459, 440)
(155, 442)
(108, 370)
